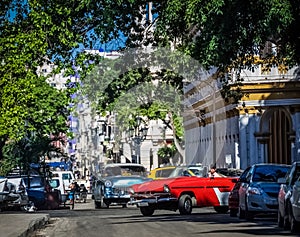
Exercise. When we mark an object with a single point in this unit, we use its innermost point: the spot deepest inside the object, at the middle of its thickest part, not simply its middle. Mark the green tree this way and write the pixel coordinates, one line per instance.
(217, 32)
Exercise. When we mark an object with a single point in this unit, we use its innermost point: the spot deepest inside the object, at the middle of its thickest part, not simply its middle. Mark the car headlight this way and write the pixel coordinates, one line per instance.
(254, 190)
(131, 191)
(108, 183)
(166, 188)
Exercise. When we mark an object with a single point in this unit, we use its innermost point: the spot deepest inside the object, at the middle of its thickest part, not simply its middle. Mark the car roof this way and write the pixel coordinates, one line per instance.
(123, 164)
(165, 167)
(271, 164)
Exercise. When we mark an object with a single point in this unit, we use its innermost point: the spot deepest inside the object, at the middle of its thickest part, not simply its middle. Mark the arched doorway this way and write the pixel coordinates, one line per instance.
(276, 127)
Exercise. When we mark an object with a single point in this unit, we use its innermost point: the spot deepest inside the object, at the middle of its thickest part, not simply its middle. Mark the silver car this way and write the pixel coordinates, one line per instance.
(258, 193)
(289, 200)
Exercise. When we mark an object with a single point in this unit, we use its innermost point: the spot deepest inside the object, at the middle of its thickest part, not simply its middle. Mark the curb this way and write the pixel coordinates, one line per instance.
(34, 225)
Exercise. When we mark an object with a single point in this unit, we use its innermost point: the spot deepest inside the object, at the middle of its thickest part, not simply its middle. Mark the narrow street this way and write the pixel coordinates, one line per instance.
(85, 220)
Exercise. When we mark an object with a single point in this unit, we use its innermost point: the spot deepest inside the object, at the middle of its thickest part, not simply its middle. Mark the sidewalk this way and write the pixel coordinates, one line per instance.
(21, 224)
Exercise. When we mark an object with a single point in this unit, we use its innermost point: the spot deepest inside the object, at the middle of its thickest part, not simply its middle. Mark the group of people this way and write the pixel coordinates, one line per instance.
(76, 188)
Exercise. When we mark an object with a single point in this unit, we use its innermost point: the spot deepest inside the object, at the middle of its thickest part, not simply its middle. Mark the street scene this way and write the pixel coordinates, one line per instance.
(149, 118)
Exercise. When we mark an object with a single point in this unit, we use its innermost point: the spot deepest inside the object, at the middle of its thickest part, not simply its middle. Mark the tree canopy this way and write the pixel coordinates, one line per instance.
(217, 33)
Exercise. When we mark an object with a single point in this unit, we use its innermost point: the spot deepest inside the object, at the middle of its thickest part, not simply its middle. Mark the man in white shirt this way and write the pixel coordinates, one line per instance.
(212, 172)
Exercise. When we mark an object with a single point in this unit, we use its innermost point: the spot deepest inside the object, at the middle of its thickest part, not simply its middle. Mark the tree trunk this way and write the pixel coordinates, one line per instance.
(176, 142)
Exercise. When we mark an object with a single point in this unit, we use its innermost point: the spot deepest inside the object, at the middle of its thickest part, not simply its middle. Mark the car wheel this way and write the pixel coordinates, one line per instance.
(221, 209)
(98, 205)
(280, 220)
(147, 211)
(241, 213)
(248, 214)
(294, 223)
(124, 205)
(233, 212)
(286, 221)
(185, 205)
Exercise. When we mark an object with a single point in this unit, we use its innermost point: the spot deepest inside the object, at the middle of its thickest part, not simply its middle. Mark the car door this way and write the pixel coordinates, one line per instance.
(245, 181)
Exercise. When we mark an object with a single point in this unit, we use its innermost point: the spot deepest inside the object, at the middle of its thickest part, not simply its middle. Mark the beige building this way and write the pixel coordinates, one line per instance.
(264, 126)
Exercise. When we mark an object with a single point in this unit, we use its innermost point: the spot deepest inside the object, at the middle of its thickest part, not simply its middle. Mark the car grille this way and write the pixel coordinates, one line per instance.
(271, 194)
(120, 190)
(272, 206)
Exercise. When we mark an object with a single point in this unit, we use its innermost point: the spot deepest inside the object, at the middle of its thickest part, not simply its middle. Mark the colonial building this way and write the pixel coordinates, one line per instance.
(264, 126)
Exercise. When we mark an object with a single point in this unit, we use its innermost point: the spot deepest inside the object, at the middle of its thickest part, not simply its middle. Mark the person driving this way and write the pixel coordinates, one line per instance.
(212, 171)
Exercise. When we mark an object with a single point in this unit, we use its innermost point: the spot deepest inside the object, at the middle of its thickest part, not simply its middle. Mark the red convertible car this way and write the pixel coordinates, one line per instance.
(183, 194)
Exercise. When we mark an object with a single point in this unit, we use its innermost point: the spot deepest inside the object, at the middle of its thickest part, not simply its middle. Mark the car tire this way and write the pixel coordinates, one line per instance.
(233, 212)
(280, 219)
(286, 221)
(249, 215)
(221, 209)
(185, 205)
(241, 213)
(98, 205)
(147, 211)
(293, 222)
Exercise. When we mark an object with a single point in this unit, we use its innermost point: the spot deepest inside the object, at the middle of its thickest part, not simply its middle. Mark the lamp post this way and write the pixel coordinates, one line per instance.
(138, 133)
(214, 128)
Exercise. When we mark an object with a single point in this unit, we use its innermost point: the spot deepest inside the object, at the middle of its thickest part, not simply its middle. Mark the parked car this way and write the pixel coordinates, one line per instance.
(113, 184)
(288, 200)
(161, 172)
(3, 193)
(15, 194)
(258, 192)
(57, 183)
(182, 193)
(66, 176)
(233, 199)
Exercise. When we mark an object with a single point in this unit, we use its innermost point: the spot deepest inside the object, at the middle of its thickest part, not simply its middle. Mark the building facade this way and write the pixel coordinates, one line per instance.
(264, 126)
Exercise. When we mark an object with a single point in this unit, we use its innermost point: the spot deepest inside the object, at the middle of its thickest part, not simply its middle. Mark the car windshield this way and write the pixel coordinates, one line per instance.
(197, 171)
(269, 173)
(124, 170)
(181, 171)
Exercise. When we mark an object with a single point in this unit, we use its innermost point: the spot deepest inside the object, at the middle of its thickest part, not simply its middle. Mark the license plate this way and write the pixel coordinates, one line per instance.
(143, 204)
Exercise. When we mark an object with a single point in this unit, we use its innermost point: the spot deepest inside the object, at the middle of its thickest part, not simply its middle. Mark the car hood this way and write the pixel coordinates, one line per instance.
(127, 180)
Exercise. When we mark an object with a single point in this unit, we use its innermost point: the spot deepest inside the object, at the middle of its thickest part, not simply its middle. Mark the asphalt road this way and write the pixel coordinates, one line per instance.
(86, 221)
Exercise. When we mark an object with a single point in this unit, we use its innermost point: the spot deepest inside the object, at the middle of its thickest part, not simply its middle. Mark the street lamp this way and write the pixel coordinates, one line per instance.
(138, 133)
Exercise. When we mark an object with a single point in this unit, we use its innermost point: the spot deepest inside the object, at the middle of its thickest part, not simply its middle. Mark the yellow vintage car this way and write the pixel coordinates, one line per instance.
(170, 171)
